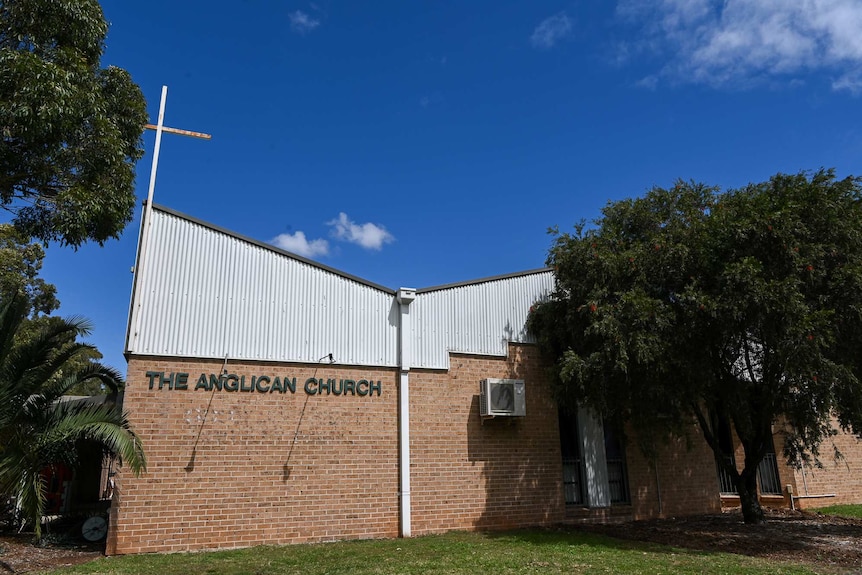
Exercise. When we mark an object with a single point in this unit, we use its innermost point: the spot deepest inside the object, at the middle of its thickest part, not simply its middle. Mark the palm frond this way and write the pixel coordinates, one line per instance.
(53, 390)
(35, 361)
(104, 424)
(12, 313)
(37, 429)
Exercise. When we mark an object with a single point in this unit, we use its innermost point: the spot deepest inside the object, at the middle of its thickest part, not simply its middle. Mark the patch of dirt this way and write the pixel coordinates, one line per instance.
(18, 554)
(804, 537)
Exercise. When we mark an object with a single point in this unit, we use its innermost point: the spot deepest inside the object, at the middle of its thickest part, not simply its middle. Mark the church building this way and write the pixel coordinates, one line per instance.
(281, 401)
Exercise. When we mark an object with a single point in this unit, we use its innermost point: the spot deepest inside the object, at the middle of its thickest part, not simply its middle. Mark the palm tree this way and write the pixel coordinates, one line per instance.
(36, 429)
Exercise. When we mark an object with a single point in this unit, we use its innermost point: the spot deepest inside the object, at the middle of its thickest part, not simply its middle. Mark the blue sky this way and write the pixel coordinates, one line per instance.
(421, 143)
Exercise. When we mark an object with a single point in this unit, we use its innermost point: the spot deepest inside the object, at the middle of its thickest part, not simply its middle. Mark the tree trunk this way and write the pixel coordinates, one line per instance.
(752, 512)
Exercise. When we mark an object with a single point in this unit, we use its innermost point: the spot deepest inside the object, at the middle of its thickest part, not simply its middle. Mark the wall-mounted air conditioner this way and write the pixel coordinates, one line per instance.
(502, 398)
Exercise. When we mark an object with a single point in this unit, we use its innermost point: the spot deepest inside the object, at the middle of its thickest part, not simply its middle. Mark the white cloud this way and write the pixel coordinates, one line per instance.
(301, 22)
(736, 42)
(551, 30)
(369, 236)
(851, 82)
(298, 244)
(649, 82)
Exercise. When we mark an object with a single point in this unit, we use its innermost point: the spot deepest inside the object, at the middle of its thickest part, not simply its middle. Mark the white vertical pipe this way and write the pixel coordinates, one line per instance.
(405, 347)
(404, 438)
(146, 225)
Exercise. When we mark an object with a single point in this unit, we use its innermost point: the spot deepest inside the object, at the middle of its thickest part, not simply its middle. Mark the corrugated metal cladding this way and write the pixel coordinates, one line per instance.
(207, 293)
(478, 318)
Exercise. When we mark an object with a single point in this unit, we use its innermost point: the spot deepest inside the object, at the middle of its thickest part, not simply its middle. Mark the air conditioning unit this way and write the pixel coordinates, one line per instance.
(502, 398)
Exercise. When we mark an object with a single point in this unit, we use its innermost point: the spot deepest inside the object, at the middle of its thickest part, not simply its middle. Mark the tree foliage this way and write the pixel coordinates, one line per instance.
(71, 130)
(691, 303)
(37, 430)
(20, 264)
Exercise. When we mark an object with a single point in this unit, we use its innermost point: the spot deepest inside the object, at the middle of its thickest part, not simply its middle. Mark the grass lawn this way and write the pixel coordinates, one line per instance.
(842, 510)
(528, 551)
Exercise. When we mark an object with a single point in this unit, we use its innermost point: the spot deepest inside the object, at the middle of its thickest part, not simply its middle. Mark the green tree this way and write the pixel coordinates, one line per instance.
(37, 430)
(691, 304)
(20, 264)
(71, 130)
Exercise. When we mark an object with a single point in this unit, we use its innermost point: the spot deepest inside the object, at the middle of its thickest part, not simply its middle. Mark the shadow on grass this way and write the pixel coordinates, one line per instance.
(799, 537)
(566, 535)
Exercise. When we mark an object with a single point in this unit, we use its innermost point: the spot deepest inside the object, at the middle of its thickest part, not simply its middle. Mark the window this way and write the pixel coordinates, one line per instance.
(570, 448)
(767, 470)
(616, 460)
(610, 483)
(721, 428)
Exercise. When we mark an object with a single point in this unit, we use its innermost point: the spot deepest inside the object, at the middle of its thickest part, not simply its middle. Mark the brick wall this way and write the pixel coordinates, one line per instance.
(841, 477)
(470, 474)
(507, 472)
(836, 482)
(682, 482)
(240, 468)
(225, 471)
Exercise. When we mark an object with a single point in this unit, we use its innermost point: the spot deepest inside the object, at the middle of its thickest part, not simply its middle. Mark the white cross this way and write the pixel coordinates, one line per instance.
(159, 128)
(148, 209)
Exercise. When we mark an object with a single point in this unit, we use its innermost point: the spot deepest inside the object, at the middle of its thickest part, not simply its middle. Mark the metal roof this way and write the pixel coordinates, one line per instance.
(483, 280)
(480, 317)
(271, 247)
(208, 292)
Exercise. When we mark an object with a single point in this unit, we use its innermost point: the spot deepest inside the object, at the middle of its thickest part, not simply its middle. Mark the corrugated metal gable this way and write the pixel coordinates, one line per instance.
(480, 317)
(208, 293)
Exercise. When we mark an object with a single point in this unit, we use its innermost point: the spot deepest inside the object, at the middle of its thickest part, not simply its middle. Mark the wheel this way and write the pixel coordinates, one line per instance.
(94, 529)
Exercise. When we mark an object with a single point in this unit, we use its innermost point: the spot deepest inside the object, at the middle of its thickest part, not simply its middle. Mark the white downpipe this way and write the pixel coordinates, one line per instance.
(404, 297)
(404, 433)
